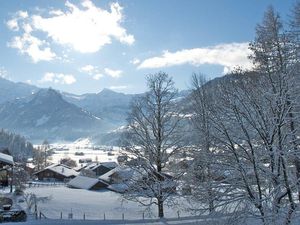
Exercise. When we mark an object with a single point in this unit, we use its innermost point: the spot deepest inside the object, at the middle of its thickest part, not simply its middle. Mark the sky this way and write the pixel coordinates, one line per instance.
(84, 46)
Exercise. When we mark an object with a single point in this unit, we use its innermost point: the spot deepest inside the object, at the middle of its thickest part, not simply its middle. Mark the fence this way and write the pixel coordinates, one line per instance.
(84, 216)
(204, 219)
(45, 184)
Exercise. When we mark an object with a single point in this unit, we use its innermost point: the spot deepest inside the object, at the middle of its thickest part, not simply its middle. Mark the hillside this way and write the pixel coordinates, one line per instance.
(48, 116)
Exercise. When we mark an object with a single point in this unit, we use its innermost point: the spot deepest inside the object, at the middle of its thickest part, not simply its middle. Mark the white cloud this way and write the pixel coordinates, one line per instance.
(227, 55)
(32, 46)
(88, 69)
(58, 78)
(135, 61)
(22, 14)
(86, 29)
(96, 73)
(91, 70)
(121, 87)
(97, 76)
(13, 24)
(27, 43)
(113, 73)
(27, 28)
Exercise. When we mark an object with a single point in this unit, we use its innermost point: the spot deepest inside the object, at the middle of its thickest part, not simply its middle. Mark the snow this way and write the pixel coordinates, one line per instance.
(77, 97)
(180, 221)
(120, 129)
(63, 170)
(121, 188)
(44, 119)
(83, 182)
(83, 142)
(106, 176)
(109, 165)
(86, 146)
(91, 166)
(93, 203)
(6, 158)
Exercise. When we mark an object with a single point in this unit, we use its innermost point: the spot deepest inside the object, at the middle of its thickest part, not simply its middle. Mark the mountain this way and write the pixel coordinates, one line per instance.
(48, 116)
(10, 90)
(40, 114)
(109, 105)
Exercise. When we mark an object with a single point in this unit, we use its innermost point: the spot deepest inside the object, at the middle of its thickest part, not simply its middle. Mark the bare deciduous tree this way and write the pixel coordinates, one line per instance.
(201, 172)
(153, 138)
(254, 122)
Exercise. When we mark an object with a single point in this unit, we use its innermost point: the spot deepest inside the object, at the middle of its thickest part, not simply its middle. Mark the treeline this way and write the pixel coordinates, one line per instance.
(16, 145)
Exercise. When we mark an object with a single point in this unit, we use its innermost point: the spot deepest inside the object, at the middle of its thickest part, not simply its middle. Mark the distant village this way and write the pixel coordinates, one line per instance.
(88, 175)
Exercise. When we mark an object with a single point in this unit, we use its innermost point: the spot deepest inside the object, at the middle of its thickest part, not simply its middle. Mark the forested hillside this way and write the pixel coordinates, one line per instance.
(16, 145)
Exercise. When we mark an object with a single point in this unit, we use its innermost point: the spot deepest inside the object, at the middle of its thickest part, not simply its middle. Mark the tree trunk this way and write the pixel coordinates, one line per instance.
(160, 208)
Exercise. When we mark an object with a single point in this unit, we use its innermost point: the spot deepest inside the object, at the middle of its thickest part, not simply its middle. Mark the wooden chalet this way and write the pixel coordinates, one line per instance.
(101, 168)
(56, 173)
(6, 166)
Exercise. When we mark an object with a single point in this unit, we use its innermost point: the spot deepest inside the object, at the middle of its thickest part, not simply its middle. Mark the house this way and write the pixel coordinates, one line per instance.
(167, 181)
(6, 160)
(56, 172)
(6, 164)
(29, 168)
(87, 183)
(117, 175)
(101, 168)
(118, 178)
(121, 178)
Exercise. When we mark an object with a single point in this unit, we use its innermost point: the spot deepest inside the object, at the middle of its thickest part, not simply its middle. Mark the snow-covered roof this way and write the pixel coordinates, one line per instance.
(110, 165)
(83, 182)
(124, 172)
(61, 169)
(78, 168)
(121, 188)
(90, 166)
(6, 158)
(106, 176)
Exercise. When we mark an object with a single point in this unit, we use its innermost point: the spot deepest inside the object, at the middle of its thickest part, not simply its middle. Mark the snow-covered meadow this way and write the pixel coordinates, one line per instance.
(84, 149)
(94, 204)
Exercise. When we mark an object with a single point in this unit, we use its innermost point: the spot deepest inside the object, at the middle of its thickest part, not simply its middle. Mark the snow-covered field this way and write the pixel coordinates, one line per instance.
(94, 204)
(89, 151)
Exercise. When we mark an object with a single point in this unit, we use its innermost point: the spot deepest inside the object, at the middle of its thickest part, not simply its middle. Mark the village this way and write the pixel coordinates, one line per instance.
(96, 173)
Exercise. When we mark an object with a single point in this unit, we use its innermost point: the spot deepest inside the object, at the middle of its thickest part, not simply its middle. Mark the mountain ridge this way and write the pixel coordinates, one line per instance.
(46, 113)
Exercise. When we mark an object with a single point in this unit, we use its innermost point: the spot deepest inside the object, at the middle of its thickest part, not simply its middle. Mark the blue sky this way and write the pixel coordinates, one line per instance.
(83, 46)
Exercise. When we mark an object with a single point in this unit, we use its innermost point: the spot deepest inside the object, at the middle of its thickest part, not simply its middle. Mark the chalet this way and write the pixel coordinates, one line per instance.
(87, 183)
(6, 165)
(118, 178)
(56, 172)
(167, 181)
(117, 175)
(121, 178)
(101, 168)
